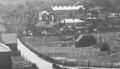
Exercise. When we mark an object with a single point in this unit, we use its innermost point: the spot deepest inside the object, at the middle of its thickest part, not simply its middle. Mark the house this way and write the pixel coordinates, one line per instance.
(63, 12)
(47, 17)
(72, 23)
(43, 15)
(96, 13)
(55, 8)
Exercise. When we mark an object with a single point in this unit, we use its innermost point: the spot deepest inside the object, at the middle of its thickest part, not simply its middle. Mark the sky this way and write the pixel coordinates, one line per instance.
(5, 2)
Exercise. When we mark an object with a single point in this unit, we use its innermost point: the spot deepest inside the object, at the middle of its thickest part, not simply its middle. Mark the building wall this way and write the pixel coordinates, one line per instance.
(64, 14)
(2, 28)
(5, 62)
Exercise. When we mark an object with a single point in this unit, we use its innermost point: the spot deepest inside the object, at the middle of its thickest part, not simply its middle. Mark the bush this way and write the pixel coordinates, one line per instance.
(105, 47)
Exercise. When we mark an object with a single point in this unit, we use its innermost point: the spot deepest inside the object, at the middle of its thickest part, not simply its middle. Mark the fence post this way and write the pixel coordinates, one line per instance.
(100, 63)
(111, 64)
(82, 63)
(88, 63)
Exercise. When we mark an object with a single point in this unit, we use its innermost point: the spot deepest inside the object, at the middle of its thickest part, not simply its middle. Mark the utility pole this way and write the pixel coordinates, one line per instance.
(100, 38)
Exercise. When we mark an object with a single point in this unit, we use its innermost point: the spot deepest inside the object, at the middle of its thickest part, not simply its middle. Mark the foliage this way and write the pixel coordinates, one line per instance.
(109, 5)
(105, 47)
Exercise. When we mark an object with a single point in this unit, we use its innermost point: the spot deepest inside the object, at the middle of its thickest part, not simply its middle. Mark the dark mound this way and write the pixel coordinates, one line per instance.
(86, 41)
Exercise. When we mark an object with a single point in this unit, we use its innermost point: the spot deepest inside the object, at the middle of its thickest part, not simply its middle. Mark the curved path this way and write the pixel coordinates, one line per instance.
(33, 57)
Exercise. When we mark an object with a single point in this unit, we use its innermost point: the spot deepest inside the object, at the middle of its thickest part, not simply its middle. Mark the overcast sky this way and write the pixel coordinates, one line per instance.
(5, 2)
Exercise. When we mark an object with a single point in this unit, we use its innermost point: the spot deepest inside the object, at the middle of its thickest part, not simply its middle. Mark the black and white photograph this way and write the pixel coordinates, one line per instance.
(59, 34)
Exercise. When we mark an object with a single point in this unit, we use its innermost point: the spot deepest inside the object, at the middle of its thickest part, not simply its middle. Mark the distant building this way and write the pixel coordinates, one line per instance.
(47, 17)
(63, 12)
(71, 22)
(95, 13)
(92, 14)
(114, 13)
(43, 15)
(58, 13)
(57, 8)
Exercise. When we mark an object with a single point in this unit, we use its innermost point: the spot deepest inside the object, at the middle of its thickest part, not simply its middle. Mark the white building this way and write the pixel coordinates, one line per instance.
(55, 8)
(63, 12)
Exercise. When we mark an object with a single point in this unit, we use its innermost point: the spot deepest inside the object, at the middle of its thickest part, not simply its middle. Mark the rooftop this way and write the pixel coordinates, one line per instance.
(71, 21)
(67, 7)
(4, 48)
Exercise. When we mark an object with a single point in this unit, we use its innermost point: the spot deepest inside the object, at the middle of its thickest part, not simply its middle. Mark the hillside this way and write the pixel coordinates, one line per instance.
(23, 11)
(18, 13)
(52, 2)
